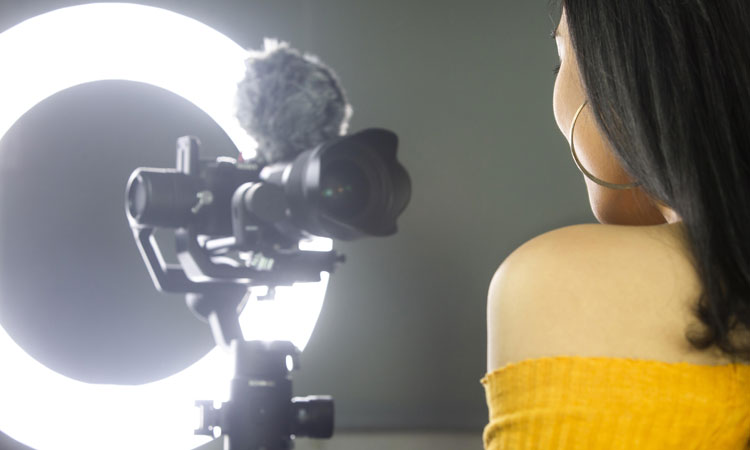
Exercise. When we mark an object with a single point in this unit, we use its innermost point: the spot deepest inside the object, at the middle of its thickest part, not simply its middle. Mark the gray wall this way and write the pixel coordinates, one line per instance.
(400, 343)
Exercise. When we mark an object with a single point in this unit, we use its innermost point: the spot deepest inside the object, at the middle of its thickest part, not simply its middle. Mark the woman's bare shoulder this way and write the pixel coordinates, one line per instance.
(601, 238)
(593, 290)
(615, 250)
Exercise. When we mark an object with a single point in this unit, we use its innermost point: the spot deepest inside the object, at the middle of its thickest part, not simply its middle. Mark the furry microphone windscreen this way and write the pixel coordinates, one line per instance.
(289, 102)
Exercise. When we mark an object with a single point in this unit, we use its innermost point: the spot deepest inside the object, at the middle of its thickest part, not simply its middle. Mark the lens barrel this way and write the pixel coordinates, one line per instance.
(161, 197)
(350, 188)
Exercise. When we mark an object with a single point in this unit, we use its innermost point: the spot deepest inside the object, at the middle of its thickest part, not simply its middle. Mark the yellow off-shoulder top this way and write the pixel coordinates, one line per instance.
(573, 402)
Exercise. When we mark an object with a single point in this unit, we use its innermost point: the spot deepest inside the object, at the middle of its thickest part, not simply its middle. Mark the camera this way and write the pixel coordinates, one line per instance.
(345, 189)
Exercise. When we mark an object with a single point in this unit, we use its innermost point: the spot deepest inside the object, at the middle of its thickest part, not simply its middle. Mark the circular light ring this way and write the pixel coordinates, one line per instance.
(119, 41)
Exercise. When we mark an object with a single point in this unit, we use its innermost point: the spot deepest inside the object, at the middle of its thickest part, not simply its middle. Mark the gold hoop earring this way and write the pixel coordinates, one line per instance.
(588, 174)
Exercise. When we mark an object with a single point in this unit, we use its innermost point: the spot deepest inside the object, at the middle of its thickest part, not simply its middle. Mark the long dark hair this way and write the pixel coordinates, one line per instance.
(669, 84)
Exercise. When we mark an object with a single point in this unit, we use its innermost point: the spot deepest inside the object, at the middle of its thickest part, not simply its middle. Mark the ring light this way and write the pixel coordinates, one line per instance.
(119, 41)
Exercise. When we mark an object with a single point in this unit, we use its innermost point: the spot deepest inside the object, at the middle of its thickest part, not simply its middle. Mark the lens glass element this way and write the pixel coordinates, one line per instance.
(344, 190)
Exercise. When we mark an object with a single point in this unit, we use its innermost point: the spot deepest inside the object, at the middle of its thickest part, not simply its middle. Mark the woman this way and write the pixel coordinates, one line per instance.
(633, 333)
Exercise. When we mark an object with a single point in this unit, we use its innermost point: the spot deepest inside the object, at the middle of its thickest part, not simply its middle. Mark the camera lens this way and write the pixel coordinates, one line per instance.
(344, 189)
(347, 189)
(137, 197)
(161, 198)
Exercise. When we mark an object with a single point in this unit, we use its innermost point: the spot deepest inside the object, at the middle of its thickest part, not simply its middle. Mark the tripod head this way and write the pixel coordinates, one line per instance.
(262, 413)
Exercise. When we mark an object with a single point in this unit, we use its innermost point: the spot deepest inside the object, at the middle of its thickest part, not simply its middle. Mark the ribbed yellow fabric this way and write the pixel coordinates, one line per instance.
(573, 402)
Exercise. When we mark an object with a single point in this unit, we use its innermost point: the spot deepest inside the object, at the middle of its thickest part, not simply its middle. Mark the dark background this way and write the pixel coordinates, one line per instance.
(400, 343)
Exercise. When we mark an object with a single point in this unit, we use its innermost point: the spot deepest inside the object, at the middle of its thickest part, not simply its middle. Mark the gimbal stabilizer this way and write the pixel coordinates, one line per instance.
(238, 225)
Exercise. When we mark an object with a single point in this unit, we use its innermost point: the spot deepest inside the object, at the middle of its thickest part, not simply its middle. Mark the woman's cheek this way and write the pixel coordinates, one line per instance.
(557, 107)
